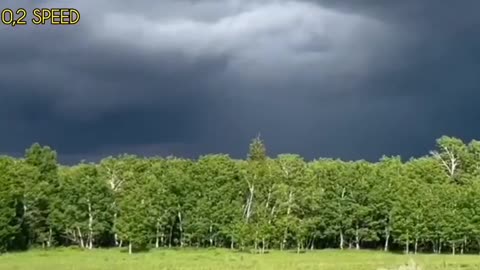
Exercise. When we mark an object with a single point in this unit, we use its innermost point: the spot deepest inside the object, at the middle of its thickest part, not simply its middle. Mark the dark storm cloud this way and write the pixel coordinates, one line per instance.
(438, 71)
(350, 79)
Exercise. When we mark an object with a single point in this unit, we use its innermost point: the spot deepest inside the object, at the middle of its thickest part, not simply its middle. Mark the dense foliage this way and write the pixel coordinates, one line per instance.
(429, 204)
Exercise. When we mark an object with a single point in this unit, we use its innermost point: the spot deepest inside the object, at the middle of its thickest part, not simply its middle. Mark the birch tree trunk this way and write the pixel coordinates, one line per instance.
(451, 163)
(211, 238)
(74, 238)
(181, 228)
(157, 235)
(387, 238)
(407, 244)
(129, 247)
(289, 209)
(82, 245)
(114, 184)
(115, 235)
(357, 238)
(90, 225)
(49, 241)
(248, 207)
(342, 241)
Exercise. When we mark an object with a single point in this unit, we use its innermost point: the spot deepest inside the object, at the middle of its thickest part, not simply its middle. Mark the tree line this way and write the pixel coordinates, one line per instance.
(426, 204)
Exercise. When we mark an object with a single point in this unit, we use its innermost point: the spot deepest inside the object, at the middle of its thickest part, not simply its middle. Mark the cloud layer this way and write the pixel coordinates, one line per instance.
(193, 77)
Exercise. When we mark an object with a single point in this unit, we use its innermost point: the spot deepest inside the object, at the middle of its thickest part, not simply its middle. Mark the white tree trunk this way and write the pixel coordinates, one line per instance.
(387, 238)
(268, 198)
(211, 239)
(115, 236)
(157, 235)
(342, 241)
(289, 209)
(181, 228)
(74, 236)
(49, 241)
(80, 237)
(90, 225)
(407, 244)
(248, 208)
(115, 184)
(129, 247)
(451, 163)
(357, 238)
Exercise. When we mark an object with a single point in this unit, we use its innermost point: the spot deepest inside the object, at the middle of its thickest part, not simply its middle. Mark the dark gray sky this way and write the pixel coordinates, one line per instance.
(321, 78)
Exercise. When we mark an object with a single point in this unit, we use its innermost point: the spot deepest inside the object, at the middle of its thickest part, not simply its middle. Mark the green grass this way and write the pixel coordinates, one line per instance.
(71, 259)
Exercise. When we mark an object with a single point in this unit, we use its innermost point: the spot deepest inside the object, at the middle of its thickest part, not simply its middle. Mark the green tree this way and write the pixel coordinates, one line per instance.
(84, 206)
(40, 193)
(136, 217)
(10, 200)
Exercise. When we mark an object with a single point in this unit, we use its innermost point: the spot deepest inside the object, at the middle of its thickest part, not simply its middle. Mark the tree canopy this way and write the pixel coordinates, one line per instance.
(427, 204)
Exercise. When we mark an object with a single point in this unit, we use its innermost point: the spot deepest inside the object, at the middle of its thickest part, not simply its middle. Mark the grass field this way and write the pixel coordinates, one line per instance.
(68, 259)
